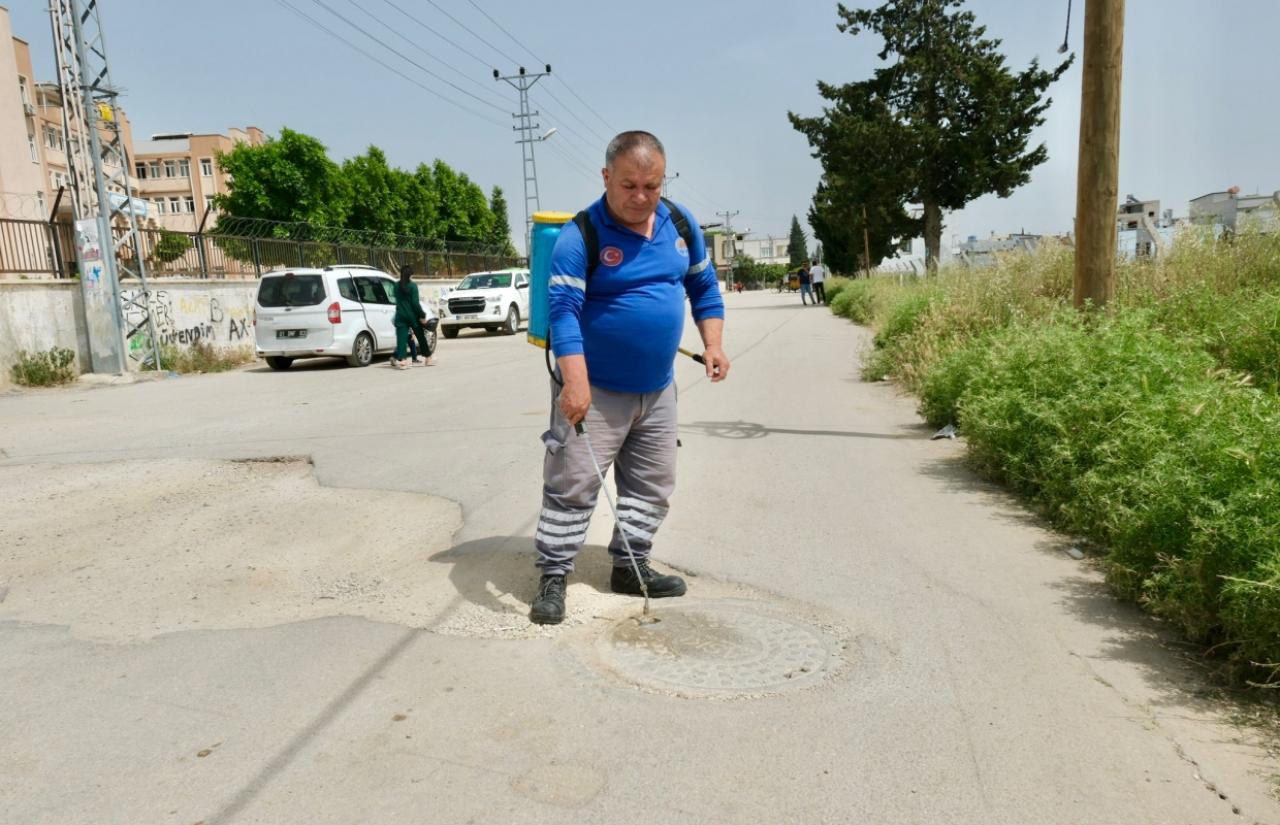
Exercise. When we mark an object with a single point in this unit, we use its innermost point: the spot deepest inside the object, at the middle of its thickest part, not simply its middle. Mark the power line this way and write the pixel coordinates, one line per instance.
(444, 63)
(581, 144)
(585, 125)
(588, 105)
(446, 39)
(387, 66)
(402, 55)
(577, 164)
(541, 61)
(508, 58)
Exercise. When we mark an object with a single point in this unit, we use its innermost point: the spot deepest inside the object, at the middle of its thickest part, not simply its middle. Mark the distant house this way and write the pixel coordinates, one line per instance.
(1233, 211)
(1141, 230)
(978, 252)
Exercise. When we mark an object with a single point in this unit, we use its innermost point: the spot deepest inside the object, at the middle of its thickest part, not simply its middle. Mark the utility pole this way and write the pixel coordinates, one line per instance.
(1098, 169)
(866, 242)
(730, 240)
(108, 246)
(666, 180)
(522, 83)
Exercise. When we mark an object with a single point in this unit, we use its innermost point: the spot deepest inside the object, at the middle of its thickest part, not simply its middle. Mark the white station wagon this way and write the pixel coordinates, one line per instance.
(339, 312)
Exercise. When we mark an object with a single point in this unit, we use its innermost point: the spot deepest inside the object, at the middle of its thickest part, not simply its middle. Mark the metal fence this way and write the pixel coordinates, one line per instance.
(47, 248)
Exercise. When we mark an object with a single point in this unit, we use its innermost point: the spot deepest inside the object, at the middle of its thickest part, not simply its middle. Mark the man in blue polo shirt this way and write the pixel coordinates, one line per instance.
(616, 323)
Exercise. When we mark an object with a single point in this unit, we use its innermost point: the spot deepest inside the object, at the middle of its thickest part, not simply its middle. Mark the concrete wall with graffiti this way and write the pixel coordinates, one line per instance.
(39, 315)
(219, 314)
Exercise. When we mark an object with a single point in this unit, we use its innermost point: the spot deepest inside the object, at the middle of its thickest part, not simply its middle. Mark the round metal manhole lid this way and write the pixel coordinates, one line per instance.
(719, 649)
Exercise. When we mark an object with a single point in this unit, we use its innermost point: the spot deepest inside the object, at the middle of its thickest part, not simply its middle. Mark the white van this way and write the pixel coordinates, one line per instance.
(339, 311)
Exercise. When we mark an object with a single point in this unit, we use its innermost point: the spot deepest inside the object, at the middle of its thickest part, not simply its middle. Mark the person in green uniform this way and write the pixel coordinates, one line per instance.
(410, 317)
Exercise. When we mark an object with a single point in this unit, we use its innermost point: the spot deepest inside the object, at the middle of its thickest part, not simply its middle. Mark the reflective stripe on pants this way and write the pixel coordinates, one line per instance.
(633, 432)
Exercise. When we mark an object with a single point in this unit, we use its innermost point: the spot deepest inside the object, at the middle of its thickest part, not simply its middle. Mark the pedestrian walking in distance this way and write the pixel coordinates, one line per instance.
(818, 274)
(806, 291)
(619, 277)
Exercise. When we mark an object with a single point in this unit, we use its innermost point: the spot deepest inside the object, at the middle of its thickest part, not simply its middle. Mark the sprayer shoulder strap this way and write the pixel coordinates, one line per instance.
(591, 239)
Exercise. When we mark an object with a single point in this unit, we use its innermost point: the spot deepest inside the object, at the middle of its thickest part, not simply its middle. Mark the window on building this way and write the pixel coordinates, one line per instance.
(40, 200)
(206, 167)
(153, 168)
(170, 168)
(53, 138)
(208, 201)
(31, 144)
(159, 206)
(173, 206)
(184, 168)
(140, 170)
(22, 89)
(190, 204)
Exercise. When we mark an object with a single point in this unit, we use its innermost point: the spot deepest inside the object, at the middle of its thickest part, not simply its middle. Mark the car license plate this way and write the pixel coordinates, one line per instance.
(466, 317)
(291, 333)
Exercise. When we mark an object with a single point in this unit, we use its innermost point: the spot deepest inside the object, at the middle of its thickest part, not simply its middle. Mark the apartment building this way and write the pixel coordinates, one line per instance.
(178, 173)
(33, 156)
(22, 185)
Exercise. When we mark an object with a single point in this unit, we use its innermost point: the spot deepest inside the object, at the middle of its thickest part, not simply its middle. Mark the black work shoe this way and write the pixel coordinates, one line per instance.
(624, 581)
(548, 605)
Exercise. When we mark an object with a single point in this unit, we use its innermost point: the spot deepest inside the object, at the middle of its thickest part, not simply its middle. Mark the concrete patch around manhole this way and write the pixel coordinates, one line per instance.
(730, 649)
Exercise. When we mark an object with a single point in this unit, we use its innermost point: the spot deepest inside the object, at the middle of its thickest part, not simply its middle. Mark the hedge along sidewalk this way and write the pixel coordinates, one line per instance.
(1139, 431)
(1139, 442)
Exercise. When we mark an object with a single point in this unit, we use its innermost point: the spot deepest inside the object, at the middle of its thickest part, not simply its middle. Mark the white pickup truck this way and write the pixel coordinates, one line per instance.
(496, 300)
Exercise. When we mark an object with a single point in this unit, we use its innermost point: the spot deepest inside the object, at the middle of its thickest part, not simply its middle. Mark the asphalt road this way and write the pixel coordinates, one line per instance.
(365, 656)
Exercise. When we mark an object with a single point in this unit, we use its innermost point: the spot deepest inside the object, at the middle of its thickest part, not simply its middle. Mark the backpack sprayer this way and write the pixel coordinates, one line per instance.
(546, 229)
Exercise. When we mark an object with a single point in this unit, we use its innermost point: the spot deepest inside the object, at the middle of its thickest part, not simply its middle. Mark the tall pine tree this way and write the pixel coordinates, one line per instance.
(798, 246)
(501, 223)
(944, 122)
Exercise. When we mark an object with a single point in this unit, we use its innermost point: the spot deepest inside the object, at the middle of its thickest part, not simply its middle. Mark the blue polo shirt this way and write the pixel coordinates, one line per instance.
(628, 319)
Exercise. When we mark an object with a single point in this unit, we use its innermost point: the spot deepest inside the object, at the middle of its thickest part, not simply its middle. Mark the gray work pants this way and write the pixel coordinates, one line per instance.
(635, 432)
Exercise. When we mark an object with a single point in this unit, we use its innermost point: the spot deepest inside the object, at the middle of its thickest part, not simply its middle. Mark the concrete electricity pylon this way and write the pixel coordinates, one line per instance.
(730, 240)
(522, 82)
(108, 246)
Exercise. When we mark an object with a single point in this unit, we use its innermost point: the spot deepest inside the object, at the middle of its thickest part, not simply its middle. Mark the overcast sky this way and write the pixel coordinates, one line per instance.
(714, 80)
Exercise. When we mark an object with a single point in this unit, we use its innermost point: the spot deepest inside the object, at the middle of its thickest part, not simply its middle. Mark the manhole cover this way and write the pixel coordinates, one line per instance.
(719, 649)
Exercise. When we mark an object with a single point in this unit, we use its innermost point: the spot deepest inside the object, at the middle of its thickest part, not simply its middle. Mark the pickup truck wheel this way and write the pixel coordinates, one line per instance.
(431, 342)
(362, 352)
(450, 332)
(512, 325)
(278, 362)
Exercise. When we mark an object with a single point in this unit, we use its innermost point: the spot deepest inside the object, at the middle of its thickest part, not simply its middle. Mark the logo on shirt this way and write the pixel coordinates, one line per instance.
(681, 246)
(611, 256)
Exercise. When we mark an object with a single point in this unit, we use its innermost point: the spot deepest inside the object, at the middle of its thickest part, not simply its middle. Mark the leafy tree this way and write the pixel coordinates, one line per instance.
(292, 179)
(501, 237)
(798, 247)
(943, 123)
(289, 178)
(170, 246)
(378, 194)
(424, 204)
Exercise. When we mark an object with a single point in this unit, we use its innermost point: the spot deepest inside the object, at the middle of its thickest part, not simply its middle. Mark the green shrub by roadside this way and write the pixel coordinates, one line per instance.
(44, 369)
(1138, 441)
(839, 305)
(1151, 429)
(202, 357)
(833, 286)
